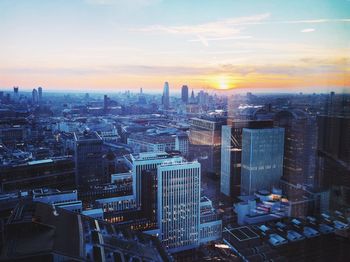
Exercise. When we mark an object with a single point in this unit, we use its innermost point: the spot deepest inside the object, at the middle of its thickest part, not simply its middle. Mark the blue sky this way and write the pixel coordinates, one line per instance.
(121, 44)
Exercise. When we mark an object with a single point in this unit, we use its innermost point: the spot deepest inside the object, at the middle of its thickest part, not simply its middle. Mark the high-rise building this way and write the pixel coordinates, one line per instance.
(299, 146)
(40, 91)
(231, 153)
(15, 93)
(262, 159)
(146, 161)
(165, 98)
(105, 103)
(35, 98)
(333, 163)
(179, 205)
(184, 94)
(88, 159)
(205, 140)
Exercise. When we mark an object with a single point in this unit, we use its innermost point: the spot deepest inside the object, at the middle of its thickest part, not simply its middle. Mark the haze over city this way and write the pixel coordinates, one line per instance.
(114, 45)
(175, 130)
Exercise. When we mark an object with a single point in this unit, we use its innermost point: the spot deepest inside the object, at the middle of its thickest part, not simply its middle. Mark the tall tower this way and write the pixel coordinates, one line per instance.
(40, 91)
(184, 94)
(15, 93)
(35, 98)
(165, 99)
(231, 153)
(105, 103)
(179, 205)
(299, 146)
(262, 159)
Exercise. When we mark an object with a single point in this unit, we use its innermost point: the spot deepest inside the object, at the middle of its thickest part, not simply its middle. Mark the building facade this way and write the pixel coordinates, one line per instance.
(179, 205)
(88, 159)
(262, 159)
(231, 153)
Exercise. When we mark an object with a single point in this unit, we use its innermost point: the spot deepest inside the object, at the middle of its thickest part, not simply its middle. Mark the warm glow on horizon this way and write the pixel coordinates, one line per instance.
(114, 45)
(223, 82)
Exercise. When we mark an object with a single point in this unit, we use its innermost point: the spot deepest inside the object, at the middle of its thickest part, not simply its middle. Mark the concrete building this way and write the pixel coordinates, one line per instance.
(63, 199)
(179, 205)
(47, 173)
(146, 161)
(88, 159)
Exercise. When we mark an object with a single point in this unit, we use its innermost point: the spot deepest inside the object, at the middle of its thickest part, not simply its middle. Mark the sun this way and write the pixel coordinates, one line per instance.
(223, 82)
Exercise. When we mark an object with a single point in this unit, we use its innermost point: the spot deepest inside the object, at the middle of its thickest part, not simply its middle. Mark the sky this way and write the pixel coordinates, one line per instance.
(117, 45)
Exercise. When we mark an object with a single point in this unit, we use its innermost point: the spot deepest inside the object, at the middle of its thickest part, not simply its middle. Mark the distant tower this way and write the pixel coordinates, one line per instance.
(105, 103)
(192, 99)
(40, 91)
(35, 98)
(184, 94)
(141, 91)
(165, 99)
(15, 93)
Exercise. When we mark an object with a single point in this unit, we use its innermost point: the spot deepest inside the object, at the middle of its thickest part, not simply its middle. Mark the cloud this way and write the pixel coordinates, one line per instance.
(307, 30)
(221, 28)
(205, 41)
(314, 21)
(301, 67)
(231, 26)
(133, 3)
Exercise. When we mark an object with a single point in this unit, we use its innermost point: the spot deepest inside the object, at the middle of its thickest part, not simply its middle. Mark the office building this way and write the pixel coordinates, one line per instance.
(210, 222)
(146, 161)
(35, 97)
(47, 173)
(16, 93)
(40, 92)
(179, 205)
(88, 159)
(205, 142)
(184, 94)
(231, 153)
(333, 163)
(262, 159)
(299, 146)
(165, 98)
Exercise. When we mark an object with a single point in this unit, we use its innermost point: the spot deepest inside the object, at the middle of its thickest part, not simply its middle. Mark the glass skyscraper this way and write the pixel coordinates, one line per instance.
(262, 159)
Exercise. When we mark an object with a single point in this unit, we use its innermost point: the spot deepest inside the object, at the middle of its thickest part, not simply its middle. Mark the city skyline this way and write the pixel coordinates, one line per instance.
(113, 45)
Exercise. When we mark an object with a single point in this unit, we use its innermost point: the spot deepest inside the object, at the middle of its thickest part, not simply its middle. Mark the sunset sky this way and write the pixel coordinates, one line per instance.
(123, 44)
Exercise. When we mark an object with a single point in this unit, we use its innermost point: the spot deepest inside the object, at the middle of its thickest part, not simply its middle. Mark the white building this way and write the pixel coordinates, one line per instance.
(179, 205)
(146, 161)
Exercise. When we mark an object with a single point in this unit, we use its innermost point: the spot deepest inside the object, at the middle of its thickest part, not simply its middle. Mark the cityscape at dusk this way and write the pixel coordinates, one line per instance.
(175, 131)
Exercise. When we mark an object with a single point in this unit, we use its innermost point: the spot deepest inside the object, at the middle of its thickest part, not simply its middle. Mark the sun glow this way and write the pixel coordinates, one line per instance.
(223, 82)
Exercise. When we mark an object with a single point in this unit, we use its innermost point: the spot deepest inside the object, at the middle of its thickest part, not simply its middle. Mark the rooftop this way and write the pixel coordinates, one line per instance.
(35, 229)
